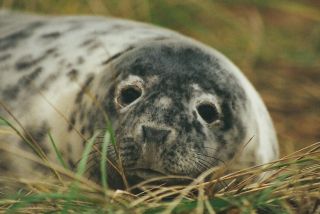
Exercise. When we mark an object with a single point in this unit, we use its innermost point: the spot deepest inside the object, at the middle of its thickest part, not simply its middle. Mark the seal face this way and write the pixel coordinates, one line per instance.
(178, 111)
(177, 107)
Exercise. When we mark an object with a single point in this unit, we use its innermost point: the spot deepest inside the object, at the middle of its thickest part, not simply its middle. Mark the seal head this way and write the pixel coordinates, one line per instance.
(176, 110)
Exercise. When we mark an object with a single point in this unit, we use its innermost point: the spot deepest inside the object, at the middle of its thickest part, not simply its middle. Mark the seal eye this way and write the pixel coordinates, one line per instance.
(129, 94)
(208, 112)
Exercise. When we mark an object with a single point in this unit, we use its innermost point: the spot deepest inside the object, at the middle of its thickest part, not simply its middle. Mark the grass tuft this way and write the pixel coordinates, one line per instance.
(290, 185)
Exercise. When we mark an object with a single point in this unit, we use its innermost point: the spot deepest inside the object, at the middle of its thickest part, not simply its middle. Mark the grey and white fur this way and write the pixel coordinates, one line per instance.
(177, 106)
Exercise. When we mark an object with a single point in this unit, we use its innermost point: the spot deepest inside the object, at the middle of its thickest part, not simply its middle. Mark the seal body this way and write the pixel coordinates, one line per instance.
(177, 106)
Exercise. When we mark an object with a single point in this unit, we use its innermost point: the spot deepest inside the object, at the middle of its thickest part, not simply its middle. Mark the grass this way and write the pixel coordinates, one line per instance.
(291, 185)
(275, 43)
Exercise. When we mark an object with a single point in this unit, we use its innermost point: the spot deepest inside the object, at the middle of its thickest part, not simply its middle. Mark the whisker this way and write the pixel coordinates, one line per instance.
(207, 147)
(204, 164)
(217, 159)
(208, 164)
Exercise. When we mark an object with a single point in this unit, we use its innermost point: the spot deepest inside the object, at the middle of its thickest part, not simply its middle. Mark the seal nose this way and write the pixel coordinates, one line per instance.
(154, 135)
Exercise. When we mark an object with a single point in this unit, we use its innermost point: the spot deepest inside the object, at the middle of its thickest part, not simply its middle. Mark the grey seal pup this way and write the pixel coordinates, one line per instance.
(177, 106)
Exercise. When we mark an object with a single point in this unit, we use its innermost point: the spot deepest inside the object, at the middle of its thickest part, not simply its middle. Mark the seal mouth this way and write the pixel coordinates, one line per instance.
(145, 173)
(137, 176)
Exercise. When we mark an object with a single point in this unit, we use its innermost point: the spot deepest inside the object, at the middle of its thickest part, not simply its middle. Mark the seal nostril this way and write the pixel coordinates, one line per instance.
(154, 135)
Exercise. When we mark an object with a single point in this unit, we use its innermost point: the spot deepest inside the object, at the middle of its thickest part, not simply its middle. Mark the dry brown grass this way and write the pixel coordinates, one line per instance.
(277, 45)
(290, 185)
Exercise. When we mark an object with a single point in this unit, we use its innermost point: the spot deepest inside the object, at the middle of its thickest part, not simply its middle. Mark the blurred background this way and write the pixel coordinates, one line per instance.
(276, 43)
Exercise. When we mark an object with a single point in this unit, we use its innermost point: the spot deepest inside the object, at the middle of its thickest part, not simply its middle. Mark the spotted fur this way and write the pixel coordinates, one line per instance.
(64, 74)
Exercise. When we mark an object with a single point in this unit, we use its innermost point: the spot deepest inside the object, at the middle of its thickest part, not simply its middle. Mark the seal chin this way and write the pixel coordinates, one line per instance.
(154, 177)
(145, 173)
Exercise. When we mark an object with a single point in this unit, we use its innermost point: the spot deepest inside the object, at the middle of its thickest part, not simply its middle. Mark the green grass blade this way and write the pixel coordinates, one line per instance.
(58, 153)
(29, 200)
(103, 163)
(74, 190)
(112, 137)
(31, 144)
(3, 122)
(85, 156)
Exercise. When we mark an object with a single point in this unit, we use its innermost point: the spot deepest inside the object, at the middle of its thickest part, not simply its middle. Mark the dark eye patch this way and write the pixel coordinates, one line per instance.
(129, 94)
(208, 112)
